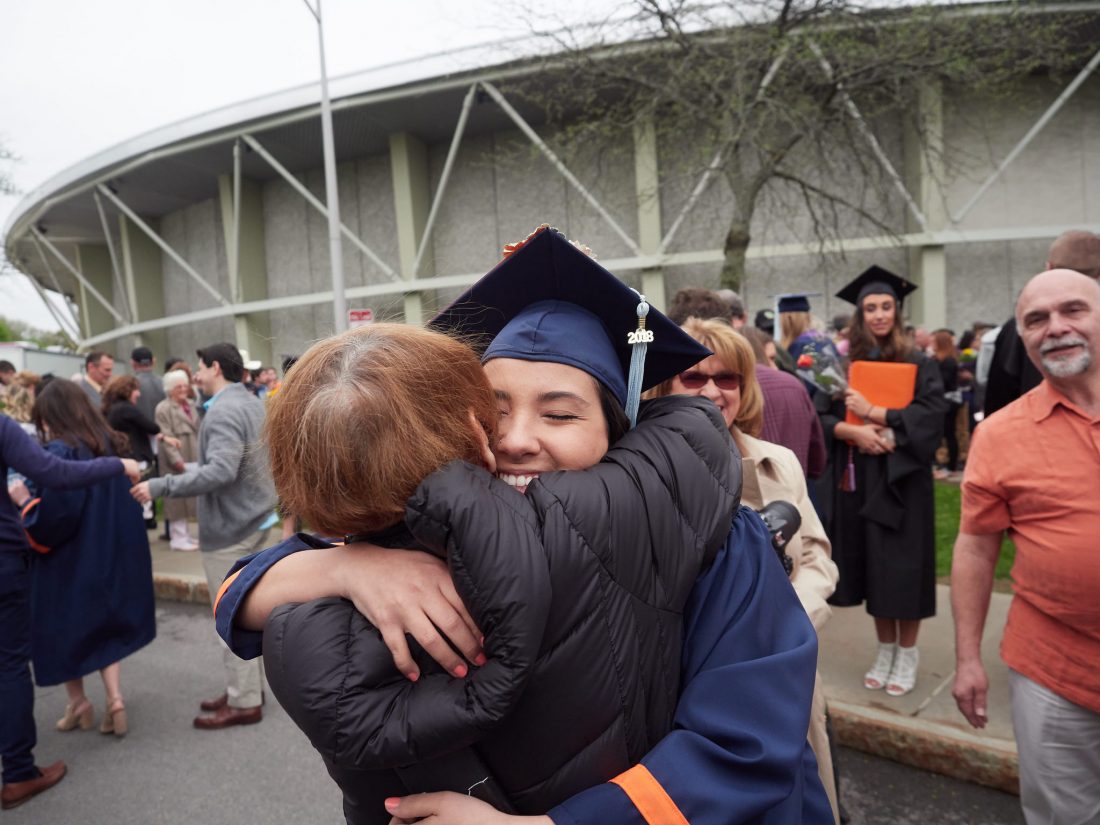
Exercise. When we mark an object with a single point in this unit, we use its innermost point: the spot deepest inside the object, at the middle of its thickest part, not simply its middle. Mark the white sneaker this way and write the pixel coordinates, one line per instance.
(189, 547)
(903, 675)
(876, 677)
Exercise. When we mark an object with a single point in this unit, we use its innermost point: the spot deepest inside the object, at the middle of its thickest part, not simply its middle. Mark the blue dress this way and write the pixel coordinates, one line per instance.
(92, 593)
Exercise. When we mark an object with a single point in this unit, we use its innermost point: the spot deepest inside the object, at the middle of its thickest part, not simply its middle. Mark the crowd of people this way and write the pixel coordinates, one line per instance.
(464, 613)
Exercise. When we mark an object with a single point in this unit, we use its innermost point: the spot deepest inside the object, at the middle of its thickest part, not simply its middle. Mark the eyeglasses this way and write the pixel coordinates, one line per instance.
(723, 380)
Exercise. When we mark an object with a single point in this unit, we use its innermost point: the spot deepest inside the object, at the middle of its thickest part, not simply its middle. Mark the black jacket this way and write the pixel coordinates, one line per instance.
(579, 588)
(1011, 373)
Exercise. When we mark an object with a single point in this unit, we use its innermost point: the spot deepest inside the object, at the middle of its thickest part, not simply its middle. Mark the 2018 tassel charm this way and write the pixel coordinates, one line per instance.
(638, 339)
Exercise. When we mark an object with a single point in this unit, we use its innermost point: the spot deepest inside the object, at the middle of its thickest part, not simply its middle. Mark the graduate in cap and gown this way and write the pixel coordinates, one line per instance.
(881, 513)
(736, 749)
(796, 332)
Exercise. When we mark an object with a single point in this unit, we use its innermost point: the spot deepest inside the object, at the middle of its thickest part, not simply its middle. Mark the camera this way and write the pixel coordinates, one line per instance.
(782, 520)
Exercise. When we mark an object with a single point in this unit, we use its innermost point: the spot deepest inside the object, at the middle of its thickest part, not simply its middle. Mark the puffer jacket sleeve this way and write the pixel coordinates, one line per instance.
(334, 675)
(661, 501)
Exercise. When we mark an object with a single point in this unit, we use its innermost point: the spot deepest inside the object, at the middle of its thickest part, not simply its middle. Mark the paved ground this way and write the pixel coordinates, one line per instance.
(165, 772)
(880, 792)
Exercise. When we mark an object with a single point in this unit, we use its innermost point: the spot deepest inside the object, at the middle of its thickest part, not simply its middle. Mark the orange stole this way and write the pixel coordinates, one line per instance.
(883, 384)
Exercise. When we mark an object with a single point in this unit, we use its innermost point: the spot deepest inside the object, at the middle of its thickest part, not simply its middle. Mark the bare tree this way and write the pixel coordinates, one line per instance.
(779, 98)
(7, 184)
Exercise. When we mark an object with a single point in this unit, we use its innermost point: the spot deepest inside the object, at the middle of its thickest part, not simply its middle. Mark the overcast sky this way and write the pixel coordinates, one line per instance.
(80, 76)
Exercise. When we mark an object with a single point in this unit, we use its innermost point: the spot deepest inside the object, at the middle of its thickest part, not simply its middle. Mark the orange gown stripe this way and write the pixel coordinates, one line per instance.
(223, 588)
(651, 800)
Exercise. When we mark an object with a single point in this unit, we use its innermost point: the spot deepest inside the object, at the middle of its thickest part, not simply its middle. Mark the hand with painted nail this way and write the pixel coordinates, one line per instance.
(409, 592)
(449, 808)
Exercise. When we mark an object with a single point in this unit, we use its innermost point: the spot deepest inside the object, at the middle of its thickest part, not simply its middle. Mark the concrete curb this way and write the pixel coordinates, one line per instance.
(943, 749)
(180, 588)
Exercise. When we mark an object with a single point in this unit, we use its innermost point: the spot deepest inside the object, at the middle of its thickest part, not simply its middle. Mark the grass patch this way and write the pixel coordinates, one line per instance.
(948, 506)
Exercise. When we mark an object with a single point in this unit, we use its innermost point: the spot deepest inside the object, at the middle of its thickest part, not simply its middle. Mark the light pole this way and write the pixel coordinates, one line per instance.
(335, 247)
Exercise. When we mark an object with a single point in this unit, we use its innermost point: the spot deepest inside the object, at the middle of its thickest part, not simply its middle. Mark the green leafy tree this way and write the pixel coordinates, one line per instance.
(779, 97)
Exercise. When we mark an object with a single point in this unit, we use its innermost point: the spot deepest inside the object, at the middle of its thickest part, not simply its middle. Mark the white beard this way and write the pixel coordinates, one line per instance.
(1065, 367)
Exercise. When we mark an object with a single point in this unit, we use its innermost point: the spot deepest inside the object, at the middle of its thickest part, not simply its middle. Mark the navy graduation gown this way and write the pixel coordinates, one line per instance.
(92, 594)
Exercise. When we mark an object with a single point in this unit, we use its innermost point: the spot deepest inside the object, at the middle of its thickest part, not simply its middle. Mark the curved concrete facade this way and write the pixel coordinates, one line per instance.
(392, 147)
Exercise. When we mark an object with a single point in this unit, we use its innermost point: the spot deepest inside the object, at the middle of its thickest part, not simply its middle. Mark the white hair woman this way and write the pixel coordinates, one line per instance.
(176, 416)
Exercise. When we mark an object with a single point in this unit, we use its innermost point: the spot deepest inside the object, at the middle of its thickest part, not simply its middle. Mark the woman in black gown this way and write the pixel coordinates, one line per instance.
(882, 523)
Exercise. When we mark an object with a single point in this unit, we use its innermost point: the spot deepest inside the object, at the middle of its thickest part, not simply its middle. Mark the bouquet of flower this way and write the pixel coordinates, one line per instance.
(822, 369)
(967, 357)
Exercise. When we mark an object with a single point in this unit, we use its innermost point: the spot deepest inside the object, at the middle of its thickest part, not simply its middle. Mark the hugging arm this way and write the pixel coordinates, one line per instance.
(409, 592)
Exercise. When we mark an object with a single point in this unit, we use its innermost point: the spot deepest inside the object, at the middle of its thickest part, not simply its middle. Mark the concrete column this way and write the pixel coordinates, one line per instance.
(93, 261)
(143, 277)
(646, 188)
(412, 199)
(248, 266)
(925, 172)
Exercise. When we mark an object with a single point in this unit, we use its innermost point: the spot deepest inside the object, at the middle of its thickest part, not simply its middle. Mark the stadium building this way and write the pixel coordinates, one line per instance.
(214, 228)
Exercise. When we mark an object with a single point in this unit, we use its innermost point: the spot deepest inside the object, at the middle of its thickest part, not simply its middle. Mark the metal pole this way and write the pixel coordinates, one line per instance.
(452, 153)
(235, 259)
(316, 204)
(1032, 132)
(53, 311)
(163, 244)
(130, 314)
(869, 136)
(335, 248)
(532, 135)
(39, 238)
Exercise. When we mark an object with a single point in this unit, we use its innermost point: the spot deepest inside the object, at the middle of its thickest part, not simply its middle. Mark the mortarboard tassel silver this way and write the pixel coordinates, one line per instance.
(639, 341)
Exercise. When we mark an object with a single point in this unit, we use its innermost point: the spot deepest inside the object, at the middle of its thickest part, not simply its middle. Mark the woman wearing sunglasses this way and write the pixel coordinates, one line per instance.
(770, 473)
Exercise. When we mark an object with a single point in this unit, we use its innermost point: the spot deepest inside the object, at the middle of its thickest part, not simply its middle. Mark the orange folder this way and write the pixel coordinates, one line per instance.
(883, 383)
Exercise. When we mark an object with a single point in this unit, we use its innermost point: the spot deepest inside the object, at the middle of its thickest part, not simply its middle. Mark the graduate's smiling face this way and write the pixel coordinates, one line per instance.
(551, 419)
(880, 312)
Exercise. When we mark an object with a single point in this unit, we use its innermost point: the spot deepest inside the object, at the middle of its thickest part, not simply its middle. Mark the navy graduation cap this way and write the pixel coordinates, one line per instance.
(876, 281)
(549, 301)
(793, 302)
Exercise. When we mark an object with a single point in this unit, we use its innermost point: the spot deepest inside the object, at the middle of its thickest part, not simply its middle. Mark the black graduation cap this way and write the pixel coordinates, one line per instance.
(549, 301)
(793, 302)
(876, 281)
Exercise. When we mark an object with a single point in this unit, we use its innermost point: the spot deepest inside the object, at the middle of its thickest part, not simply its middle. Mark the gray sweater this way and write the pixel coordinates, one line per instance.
(232, 482)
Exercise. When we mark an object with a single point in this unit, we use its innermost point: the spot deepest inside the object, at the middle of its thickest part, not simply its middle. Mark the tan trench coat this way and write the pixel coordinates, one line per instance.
(173, 421)
(771, 473)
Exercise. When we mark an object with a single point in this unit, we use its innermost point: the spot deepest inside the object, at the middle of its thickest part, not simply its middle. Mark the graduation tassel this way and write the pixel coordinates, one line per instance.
(638, 339)
(848, 479)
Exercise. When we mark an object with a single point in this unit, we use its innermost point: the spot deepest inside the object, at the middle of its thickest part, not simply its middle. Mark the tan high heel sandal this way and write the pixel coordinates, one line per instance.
(114, 719)
(81, 715)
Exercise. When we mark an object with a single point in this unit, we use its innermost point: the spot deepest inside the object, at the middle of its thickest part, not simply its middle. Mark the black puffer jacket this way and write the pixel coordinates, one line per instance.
(578, 587)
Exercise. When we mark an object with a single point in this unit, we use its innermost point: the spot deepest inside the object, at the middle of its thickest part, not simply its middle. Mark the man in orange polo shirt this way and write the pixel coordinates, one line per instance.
(1033, 469)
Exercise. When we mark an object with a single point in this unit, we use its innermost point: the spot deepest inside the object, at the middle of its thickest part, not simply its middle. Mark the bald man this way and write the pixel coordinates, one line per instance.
(1032, 471)
(1011, 374)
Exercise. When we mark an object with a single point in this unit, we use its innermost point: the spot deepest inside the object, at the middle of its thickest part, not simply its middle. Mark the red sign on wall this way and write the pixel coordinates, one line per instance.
(360, 317)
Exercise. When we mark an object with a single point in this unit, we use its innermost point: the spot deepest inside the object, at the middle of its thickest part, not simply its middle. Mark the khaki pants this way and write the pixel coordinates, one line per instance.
(244, 679)
(1059, 747)
(819, 742)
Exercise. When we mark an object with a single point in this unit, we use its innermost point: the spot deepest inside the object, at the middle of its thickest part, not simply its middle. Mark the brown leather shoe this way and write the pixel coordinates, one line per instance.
(16, 793)
(227, 716)
(211, 705)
